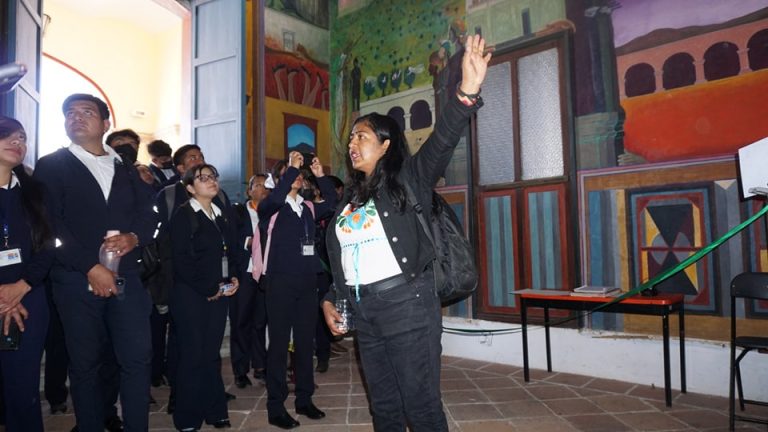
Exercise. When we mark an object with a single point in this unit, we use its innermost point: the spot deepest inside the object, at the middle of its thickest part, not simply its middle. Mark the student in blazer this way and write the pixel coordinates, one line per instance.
(26, 246)
(204, 252)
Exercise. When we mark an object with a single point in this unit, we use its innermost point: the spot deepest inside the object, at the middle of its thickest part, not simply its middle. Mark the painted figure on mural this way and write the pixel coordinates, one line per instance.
(356, 75)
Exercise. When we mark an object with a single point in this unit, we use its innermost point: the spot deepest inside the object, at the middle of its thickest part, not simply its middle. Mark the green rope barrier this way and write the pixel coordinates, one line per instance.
(661, 277)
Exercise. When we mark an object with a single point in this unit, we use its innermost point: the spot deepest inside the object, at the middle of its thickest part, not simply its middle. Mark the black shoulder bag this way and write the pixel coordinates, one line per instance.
(454, 265)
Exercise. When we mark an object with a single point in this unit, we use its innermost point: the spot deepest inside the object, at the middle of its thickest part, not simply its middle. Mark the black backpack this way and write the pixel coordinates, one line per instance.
(454, 265)
(157, 263)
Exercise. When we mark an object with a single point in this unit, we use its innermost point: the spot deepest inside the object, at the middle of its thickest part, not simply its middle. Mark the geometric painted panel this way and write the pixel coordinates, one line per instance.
(759, 257)
(667, 228)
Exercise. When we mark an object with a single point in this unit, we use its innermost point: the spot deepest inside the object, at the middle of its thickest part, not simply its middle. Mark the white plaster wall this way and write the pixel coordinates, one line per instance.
(617, 356)
(136, 69)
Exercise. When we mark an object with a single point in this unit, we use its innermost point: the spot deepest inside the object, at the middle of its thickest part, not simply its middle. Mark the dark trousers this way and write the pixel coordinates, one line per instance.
(172, 353)
(91, 325)
(56, 358)
(198, 386)
(247, 327)
(57, 362)
(398, 335)
(110, 381)
(159, 328)
(291, 304)
(322, 332)
(21, 369)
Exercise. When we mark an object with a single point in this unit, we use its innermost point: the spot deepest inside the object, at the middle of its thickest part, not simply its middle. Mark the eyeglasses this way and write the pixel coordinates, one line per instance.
(206, 178)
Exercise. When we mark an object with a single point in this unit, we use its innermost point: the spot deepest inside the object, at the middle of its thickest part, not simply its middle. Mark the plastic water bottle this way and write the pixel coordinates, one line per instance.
(111, 260)
(342, 307)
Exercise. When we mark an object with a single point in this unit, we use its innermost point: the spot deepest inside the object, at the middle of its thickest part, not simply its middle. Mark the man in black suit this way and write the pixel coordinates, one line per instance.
(247, 309)
(92, 191)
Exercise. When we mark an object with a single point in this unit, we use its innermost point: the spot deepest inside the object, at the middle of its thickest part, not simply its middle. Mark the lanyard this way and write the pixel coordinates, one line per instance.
(224, 259)
(4, 209)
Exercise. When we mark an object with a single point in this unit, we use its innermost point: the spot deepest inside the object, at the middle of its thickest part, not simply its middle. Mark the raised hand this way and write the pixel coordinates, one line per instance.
(316, 168)
(474, 64)
(295, 159)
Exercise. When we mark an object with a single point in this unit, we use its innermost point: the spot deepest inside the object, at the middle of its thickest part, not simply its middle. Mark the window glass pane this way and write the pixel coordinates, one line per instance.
(217, 96)
(495, 131)
(541, 136)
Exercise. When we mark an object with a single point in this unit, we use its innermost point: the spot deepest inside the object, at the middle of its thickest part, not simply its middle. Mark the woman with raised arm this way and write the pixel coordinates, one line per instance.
(382, 260)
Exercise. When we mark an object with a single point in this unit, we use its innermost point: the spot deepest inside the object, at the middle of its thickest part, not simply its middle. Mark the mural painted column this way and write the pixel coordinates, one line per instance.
(599, 121)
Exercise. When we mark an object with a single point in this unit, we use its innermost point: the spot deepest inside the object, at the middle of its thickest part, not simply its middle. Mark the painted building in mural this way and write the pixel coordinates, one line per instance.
(296, 82)
(605, 152)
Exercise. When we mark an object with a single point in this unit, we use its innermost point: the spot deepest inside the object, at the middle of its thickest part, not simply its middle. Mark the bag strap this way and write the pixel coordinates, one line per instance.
(311, 206)
(419, 213)
(272, 220)
(269, 240)
(170, 200)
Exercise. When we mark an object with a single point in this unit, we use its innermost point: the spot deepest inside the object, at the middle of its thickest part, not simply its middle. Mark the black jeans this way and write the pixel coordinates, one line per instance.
(398, 335)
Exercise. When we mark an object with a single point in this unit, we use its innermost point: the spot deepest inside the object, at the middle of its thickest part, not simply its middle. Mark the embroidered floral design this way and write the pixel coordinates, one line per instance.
(361, 218)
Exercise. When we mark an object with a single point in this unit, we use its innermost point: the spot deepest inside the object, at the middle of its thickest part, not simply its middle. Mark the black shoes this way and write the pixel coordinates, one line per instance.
(260, 375)
(172, 401)
(242, 381)
(284, 421)
(113, 424)
(322, 366)
(310, 411)
(222, 424)
(60, 407)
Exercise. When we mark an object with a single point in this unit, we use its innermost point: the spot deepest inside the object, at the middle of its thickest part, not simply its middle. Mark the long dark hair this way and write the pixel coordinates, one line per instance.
(31, 193)
(387, 168)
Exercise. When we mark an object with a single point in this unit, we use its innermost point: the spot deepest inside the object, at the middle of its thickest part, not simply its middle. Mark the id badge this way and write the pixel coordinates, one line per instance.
(224, 267)
(307, 247)
(10, 257)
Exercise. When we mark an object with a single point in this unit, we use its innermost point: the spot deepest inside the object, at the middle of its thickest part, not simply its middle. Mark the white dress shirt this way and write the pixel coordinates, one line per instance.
(196, 206)
(13, 183)
(102, 168)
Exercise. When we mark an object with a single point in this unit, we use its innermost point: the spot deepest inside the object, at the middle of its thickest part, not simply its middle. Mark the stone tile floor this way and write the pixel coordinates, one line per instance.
(479, 397)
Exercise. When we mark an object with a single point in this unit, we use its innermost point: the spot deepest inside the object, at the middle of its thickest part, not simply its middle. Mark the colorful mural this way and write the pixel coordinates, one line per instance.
(664, 93)
(383, 48)
(296, 80)
(312, 11)
(691, 83)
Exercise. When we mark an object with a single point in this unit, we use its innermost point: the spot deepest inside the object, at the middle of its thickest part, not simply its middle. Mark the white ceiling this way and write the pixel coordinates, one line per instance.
(145, 14)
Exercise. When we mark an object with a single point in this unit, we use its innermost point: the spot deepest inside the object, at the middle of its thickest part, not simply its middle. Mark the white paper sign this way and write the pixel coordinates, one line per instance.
(752, 162)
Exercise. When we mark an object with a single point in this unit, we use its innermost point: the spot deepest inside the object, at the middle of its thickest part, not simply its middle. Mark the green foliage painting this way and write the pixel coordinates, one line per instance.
(388, 47)
(395, 39)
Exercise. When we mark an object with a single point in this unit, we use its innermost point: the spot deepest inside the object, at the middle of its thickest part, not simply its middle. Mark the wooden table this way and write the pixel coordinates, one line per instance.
(661, 305)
